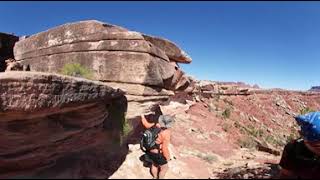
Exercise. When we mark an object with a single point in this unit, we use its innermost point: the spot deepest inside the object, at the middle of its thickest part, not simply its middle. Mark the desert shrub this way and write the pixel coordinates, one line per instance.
(207, 157)
(226, 127)
(226, 113)
(306, 110)
(240, 127)
(127, 128)
(247, 142)
(270, 139)
(76, 70)
(255, 132)
(274, 141)
(291, 137)
(227, 101)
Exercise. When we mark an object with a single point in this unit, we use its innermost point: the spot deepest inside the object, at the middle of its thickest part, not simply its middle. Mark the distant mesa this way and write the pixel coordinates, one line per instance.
(238, 84)
(315, 88)
(256, 86)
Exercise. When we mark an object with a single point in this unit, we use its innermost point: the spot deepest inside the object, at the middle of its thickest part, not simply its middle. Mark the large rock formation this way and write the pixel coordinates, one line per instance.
(145, 67)
(113, 53)
(7, 42)
(45, 117)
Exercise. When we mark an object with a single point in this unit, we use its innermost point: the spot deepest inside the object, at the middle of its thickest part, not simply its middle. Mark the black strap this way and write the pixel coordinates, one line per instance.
(158, 130)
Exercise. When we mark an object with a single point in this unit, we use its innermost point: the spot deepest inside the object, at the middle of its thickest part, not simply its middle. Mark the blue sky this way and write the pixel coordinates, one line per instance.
(272, 44)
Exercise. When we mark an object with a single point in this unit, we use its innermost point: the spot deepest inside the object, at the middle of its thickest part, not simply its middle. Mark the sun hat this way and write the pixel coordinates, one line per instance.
(310, 126)
(166, 121)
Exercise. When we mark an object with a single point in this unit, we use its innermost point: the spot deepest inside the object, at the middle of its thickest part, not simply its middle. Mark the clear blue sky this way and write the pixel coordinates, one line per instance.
(272, 44)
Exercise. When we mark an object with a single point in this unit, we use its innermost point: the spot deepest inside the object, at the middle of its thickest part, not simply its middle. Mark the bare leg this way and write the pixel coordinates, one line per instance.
(163, 171)
(154, 171)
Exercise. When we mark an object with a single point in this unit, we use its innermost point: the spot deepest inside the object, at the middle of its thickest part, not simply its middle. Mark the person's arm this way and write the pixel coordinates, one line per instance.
(165, 146)
(145, 123)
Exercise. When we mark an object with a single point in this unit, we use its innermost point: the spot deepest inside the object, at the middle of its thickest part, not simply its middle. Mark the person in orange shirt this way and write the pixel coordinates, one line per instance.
(160, 156)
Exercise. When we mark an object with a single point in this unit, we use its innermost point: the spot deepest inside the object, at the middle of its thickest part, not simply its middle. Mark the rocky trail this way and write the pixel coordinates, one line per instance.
(245, 164)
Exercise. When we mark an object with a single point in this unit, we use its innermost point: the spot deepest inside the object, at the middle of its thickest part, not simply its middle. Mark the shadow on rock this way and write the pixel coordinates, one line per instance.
(97, 162)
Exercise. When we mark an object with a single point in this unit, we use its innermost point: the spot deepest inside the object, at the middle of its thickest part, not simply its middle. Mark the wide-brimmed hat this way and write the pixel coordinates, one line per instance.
(310, 126)
(166, 121)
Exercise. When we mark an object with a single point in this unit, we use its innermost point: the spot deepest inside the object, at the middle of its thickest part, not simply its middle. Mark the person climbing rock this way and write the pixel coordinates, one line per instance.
(301, 157)
(155, 143)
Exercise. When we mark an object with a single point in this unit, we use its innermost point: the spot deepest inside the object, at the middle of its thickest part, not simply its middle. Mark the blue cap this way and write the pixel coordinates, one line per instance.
(310, 126)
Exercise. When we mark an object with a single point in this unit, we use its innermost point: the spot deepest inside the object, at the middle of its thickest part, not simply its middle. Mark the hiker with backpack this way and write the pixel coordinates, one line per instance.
(301, 157)
(155, 143)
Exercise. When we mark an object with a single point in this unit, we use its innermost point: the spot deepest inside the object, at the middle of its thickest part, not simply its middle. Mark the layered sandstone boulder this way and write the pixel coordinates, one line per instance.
(113, 53)
(7, 42)
(45, 117)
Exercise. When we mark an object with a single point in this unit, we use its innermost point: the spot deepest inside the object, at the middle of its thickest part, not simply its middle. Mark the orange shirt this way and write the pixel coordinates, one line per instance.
(163, 139)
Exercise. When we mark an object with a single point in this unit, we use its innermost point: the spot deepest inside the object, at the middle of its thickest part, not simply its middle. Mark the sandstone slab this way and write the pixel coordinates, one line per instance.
(140, 90)
(99, 45)
(172, 50)
(116, 66)
(72, 32)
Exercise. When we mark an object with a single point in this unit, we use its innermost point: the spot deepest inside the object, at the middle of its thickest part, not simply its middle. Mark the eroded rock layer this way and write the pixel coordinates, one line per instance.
(45, 117)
